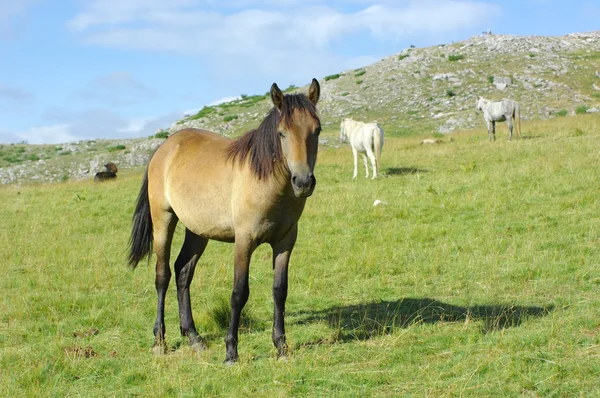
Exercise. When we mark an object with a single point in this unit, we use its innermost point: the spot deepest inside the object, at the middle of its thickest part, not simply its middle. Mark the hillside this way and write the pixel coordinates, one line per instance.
(418, 91)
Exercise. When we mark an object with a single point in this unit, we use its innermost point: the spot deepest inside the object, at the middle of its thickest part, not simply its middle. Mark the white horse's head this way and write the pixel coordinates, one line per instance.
(478, 105)
(343, 135)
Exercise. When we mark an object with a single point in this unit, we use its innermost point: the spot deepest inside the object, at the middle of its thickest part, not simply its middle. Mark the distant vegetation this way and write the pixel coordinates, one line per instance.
(161, 134)
(114, 148)
(455, 57)
(581, 109)
(332, 77)
(562, 112)
(230, 118)
(360, 73)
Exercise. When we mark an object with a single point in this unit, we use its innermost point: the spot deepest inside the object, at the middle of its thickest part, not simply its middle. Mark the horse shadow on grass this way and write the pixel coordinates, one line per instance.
(366, 321)
(403, 171)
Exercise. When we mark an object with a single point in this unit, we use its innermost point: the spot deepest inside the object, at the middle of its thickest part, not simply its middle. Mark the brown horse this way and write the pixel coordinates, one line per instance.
(109, 174)
(248, 191)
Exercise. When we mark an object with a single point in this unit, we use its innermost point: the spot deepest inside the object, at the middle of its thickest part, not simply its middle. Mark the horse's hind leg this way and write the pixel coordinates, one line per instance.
(164, 223)
(281, 257)
(366, 163)
(185, 265)
(510, 127)
(355, 154)
(371, 156)
(489, 128)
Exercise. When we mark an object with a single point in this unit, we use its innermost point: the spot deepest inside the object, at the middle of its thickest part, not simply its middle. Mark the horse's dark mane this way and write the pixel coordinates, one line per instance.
(262, 145)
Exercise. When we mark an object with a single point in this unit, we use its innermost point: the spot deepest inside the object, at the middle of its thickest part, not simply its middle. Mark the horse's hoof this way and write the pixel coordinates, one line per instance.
(198, 346)
(159, 349)
(230, 362)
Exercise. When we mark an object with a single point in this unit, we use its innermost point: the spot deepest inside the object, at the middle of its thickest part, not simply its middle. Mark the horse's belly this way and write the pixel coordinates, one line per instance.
(210, 226)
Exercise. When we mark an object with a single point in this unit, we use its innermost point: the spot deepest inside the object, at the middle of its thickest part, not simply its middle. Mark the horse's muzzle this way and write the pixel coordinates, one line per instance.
(304, 184)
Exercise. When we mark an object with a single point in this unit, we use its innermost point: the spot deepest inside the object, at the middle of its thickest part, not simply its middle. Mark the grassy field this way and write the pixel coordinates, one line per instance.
(480, 277)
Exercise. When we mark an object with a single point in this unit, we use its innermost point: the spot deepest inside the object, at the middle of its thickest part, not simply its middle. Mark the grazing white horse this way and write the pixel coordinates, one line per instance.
(366, 139)
(500, 111)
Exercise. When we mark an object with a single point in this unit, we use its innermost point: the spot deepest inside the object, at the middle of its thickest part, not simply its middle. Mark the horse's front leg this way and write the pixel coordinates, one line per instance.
(365, 163)
(494, 130)
(489, 128)
(355, 154)
(510, 127)
(281, 257)
(239, 296)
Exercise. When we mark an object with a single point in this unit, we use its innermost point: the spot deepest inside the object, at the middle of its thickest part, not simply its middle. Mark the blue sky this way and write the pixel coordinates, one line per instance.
(85, 69)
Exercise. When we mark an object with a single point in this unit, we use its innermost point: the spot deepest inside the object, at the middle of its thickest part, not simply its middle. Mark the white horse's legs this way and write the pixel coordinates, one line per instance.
(364, 158)
(355, 153)
(371, 156)
(510, 127)
(489, 127)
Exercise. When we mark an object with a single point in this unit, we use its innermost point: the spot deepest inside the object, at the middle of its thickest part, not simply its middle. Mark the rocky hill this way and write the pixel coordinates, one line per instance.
(418, 91)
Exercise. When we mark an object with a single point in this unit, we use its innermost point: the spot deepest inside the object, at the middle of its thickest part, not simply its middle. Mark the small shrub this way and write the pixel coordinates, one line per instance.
(207, 110)
(531, 55)
(290, 88)
(450, 93)
(402, 56)
(63, 178)
(412, 46)
(64, 153)
(360, 73)
(344, 94)
(33, 157)
(437, 135)
(455, 57)
(230, 118)
(114, 148)
(581, 109)
(161, 134)
(332, 77)
(490, 79)
(359, 82)
(562, 112)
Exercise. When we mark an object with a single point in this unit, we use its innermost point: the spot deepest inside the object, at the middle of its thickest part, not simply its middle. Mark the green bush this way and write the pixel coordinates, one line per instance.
(360, 73)
(581, 109)
(402, 56)
(207, 110)
(490, 79)
(562, 112)
(332, 77)
(450, 93)
(230, 118)
(455, 57)
(161, 134)
(114, 148)
(359, 82)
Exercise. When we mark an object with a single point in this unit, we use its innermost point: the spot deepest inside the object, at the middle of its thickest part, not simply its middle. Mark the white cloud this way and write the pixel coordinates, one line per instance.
(285, 36)
(55, 134)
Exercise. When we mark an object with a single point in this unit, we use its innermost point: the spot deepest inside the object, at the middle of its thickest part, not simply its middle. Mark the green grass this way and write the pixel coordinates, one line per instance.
(581, 109)
(480, 277)
(562, 112)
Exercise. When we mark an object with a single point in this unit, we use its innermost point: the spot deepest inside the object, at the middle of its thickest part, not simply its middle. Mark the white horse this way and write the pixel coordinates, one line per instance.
(500, 111)
(366, 139)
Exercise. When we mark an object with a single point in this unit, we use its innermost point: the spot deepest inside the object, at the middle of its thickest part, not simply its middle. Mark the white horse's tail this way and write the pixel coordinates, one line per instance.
(518, 118)
(377, 144)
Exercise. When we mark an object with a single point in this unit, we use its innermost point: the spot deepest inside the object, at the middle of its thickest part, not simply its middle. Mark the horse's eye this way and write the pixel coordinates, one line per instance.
(318, 130)
(281, 135)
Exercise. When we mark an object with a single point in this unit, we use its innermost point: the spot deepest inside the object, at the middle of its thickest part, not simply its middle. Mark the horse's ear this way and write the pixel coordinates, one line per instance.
(276, 96)
(314, 92)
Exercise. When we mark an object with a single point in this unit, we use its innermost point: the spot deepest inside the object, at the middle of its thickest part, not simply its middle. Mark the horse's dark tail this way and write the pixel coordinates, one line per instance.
(140, 242)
